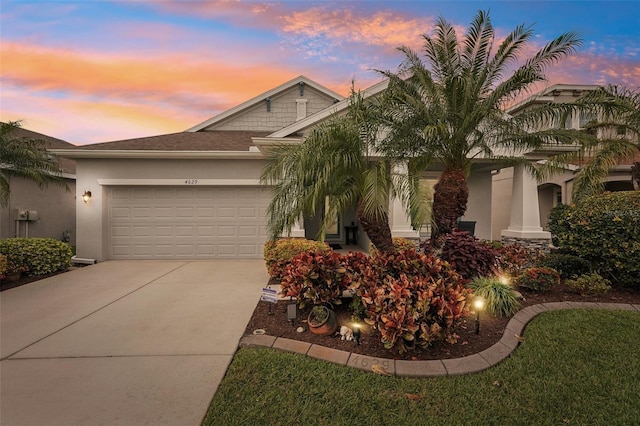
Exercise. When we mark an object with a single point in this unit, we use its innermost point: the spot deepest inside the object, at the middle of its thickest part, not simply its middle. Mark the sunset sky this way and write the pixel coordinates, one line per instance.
(96, 71)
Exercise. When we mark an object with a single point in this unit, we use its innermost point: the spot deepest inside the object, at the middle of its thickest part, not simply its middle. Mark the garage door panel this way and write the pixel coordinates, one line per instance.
(177, 222)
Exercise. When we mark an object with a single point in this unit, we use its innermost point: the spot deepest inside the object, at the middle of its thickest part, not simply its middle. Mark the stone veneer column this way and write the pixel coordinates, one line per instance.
(524, 226)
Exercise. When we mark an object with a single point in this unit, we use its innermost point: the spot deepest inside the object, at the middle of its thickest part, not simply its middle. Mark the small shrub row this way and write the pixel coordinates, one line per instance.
(36, 256)
(399, 243)
(278, 253)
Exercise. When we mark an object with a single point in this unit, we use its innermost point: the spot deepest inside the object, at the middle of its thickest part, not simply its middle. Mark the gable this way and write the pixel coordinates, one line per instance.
(274, 109)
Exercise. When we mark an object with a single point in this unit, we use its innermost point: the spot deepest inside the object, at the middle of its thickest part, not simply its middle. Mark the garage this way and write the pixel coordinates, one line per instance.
(186, 222)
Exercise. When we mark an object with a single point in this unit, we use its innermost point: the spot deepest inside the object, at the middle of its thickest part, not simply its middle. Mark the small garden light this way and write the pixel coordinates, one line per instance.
(292, 313)
(356, 333)
(504, 279)
(478, 305)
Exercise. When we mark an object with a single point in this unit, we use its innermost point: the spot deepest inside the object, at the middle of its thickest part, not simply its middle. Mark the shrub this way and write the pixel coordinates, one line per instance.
(278, 253)
(590, 284)
(37, 256)
(605, 231)
(3, 266)
(559, 223)
(538, 279)
(513, 258)
(399, 243)
(500, 298)
(315, 277)
(567, 265)
(412, 299)
(469, 256)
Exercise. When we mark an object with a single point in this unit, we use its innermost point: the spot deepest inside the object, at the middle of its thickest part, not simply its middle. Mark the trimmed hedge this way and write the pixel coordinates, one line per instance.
(604, 230)
(278, 253)
(38, 255)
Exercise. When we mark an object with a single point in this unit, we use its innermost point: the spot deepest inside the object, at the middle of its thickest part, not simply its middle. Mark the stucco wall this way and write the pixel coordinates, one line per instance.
(479, 204)
(91, 223)
(54, 204)
(283, 111)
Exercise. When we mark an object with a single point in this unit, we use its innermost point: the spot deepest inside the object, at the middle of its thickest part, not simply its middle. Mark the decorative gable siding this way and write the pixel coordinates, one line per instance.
(283, 111)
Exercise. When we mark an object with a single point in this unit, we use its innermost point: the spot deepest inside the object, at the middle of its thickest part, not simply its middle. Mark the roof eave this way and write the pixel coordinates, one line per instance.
(154, 154)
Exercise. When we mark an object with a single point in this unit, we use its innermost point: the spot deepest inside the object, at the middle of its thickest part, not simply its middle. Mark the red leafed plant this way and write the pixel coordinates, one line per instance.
(469, 256)
(412, 299)
(315, 277)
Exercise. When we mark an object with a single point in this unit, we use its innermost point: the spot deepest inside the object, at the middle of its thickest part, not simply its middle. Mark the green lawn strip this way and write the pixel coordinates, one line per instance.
(574, 367)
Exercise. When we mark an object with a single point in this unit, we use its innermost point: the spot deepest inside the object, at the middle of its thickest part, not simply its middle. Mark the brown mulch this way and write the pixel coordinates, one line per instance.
(25, 279)
(272, 318)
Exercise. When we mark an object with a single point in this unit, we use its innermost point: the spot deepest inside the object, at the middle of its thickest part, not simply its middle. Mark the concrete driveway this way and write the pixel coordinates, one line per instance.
(123, 342)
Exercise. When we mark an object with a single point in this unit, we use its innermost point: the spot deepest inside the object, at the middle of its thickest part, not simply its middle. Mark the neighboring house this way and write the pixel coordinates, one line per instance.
(558, 188)
(196, 194)
(52, 209)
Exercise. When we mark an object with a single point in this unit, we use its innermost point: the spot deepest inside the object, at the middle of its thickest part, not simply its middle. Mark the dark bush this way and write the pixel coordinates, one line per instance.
(469, 256)
(567, 265)
(605, 231)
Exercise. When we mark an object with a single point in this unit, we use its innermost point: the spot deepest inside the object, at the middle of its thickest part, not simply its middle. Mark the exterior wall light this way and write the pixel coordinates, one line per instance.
(86, 196)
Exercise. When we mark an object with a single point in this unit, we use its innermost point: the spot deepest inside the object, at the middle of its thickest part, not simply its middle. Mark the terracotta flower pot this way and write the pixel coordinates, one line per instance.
(325, 326)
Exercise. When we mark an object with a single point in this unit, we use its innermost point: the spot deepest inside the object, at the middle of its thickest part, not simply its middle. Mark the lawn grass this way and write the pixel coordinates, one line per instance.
(577, 367)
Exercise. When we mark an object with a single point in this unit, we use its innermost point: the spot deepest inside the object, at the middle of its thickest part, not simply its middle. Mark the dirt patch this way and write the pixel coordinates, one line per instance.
(272, 318)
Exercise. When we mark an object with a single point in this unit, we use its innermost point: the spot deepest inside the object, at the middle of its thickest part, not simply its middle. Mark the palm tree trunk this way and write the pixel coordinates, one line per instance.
(450, 197)
(377, 229)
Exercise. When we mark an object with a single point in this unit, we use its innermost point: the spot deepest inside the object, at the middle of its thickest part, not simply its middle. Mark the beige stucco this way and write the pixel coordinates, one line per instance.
(55, 206)
(96, 175)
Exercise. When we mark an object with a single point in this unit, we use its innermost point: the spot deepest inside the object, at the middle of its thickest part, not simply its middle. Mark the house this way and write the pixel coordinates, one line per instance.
(558, 188)
(41, 212)
(196, 194)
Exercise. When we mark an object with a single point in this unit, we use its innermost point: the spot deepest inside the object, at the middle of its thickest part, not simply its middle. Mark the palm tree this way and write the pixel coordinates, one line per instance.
(449, 109)
(617, 128)
(26, 158)
(335, 160)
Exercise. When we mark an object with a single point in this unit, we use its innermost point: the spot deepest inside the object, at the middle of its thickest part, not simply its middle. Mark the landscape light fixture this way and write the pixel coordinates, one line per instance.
(292, 313)
(478, 305)
(356, 333)
(86, 196)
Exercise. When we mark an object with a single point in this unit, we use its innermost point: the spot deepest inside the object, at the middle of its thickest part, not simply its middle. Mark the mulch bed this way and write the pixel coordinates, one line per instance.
(272, 318)
(24, 279)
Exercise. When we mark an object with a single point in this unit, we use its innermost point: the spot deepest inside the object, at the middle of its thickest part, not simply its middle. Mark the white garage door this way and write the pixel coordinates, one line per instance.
(186, 222)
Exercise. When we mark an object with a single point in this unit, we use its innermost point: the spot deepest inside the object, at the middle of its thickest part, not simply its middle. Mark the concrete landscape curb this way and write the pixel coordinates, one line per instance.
(446, 367)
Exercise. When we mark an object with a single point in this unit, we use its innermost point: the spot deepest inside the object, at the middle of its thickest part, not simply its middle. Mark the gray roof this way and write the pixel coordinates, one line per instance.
(184, 141)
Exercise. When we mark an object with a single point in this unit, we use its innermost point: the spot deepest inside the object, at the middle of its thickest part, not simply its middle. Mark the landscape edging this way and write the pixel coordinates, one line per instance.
(431, 368)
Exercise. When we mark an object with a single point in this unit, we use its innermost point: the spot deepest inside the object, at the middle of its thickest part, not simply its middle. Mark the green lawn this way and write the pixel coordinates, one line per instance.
(577, 367)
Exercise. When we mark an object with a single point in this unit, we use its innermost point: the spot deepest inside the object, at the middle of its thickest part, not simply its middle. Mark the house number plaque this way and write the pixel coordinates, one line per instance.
(191, 181)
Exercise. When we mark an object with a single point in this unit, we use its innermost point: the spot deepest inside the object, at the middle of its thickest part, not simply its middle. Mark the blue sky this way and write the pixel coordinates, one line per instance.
(95, 71)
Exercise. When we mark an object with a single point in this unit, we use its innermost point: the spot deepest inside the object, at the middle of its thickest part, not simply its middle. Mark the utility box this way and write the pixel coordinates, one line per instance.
(27, 215)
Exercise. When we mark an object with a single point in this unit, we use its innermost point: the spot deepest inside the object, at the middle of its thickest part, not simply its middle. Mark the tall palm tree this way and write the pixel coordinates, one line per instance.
(26, 158)
(335, 160)
(617, 128)
(449, 108)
